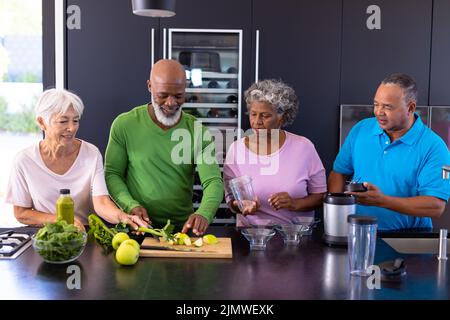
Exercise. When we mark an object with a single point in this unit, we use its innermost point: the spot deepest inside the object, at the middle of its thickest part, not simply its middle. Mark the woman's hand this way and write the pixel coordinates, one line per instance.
(79, 225)
(250, 206)
(133, 221)
(107, 209)
(282, 200)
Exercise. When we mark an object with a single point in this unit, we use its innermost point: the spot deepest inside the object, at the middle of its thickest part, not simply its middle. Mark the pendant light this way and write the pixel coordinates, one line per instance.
(154, 8)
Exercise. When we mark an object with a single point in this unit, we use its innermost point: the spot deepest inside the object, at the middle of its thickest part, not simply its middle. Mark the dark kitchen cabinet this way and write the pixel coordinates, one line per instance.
(440, 54)
(108, 63)
(210, 14)
(401, 45)
(48, 44)
(299, 42)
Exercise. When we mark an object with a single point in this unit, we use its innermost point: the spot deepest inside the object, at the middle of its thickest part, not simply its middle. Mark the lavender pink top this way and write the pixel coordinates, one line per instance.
(295, 168)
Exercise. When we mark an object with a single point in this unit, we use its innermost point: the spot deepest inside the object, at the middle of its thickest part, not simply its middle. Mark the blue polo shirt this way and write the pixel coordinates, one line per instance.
(410, 166)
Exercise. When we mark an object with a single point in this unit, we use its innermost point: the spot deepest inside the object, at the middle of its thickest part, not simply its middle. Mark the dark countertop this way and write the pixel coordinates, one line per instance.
(311, 270)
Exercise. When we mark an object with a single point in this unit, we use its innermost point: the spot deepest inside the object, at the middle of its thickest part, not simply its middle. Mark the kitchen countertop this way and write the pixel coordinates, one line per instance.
(311, 270)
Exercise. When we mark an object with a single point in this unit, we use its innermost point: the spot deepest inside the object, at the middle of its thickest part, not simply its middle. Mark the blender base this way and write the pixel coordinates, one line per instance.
(334, 241)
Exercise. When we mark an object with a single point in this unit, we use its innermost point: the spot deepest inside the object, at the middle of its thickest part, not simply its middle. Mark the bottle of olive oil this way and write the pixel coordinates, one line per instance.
(65, 206)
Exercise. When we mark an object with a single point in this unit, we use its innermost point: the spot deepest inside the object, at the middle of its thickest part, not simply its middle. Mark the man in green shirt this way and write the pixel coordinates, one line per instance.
(152, 154)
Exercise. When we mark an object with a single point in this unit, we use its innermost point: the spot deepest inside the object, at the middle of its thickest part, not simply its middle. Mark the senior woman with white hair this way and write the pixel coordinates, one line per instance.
(61, 161)
(287, 173)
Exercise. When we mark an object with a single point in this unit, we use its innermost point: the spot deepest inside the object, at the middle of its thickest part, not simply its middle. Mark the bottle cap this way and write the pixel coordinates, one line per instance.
(355, 187)
(360, 219)
(64, 191)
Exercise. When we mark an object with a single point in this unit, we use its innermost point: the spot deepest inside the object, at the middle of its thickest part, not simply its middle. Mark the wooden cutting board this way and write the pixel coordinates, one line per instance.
(222, 249)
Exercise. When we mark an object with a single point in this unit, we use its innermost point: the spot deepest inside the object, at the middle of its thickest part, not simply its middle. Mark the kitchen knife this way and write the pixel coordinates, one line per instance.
(150, 247)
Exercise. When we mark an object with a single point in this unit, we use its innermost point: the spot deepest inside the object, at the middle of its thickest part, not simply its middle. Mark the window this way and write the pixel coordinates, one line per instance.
(20, 86)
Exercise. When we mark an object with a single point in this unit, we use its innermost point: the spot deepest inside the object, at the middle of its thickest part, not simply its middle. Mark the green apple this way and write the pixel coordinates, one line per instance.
(133, 243)
(127, 254)
(118, 239)
(198, 242)
(210, 239)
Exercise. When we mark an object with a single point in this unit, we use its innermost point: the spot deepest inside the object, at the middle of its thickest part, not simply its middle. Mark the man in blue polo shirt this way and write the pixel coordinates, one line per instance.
(398, 157)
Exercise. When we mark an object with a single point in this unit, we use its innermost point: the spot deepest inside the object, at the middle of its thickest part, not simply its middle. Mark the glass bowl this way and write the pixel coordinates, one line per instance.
(57, 252)
(307, 222)
(291, 232)
(258, 237)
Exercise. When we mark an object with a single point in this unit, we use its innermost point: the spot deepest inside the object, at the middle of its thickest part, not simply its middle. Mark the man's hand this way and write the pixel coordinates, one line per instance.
(250, 207)
(141, 212)
(372, 197)
(197, 222)
(281, 200)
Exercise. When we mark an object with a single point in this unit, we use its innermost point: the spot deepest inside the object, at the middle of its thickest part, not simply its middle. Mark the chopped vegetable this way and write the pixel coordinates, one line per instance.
(187, 241)
(198, 242)
(180, 238)
(210, 239)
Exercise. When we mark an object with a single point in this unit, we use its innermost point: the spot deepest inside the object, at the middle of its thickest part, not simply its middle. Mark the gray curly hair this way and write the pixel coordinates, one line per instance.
(277, 93)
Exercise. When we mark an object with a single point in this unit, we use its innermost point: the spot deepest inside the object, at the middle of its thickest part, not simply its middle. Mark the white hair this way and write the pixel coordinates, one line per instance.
(57, 101)
(277, 93)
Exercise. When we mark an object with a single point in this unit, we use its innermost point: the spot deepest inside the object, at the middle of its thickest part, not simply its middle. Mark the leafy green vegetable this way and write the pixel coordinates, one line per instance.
(104, 235)
(165, 232)
(59, 241)
(100, 231)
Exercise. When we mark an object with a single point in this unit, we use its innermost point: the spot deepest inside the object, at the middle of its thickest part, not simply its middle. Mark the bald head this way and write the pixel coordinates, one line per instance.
(169, 72)
(167, 85)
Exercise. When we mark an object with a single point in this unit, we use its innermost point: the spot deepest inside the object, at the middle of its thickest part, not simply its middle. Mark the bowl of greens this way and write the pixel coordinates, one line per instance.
(59, 242)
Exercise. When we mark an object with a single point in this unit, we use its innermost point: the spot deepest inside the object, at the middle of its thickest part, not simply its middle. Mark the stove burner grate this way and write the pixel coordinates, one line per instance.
(12, 244)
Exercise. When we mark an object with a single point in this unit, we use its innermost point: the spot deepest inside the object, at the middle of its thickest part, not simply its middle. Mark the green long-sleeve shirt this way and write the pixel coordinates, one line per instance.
(150, 167)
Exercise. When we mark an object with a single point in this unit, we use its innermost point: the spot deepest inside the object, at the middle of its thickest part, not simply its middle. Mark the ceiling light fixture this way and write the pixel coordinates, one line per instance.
(154, 8)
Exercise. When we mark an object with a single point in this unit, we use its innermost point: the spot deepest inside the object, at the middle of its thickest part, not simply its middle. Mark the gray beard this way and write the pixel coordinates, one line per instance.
(162, 118)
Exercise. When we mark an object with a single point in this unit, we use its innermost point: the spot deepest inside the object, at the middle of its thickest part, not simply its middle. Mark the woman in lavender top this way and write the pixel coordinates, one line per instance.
(287, 173)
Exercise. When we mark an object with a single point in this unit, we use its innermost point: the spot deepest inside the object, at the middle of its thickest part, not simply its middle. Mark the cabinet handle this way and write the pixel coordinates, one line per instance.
(164, 43)
(153, 47)
(257, 57)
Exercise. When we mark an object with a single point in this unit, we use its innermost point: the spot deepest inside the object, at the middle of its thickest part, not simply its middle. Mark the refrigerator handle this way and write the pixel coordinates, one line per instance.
(153, 46)
(164, 43)
(257, 56)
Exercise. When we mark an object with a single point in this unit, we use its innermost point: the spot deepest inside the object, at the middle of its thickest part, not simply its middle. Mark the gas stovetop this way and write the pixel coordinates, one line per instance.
(13, 243)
